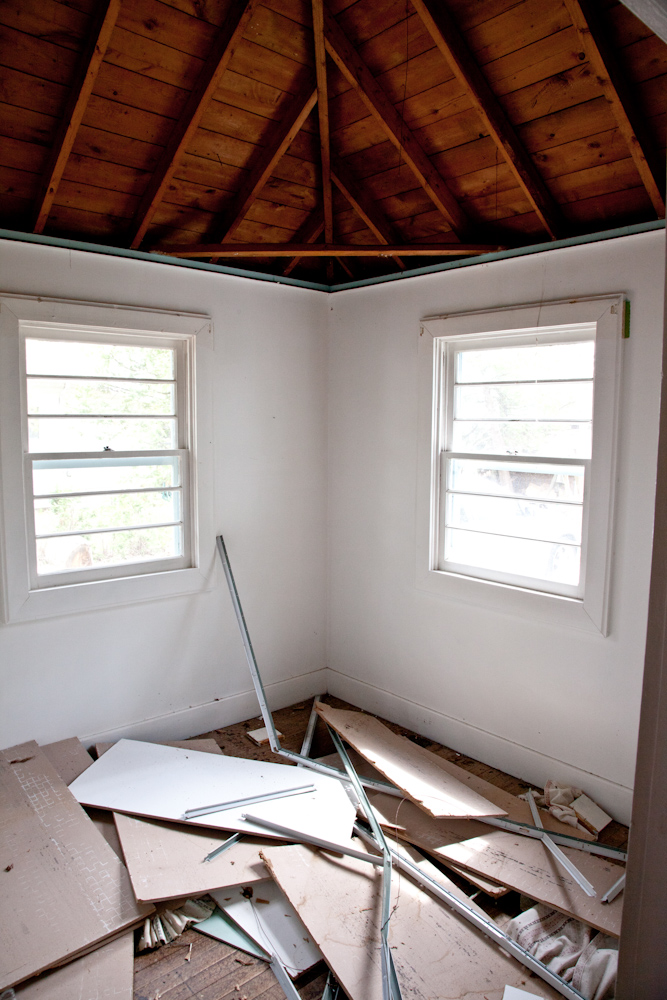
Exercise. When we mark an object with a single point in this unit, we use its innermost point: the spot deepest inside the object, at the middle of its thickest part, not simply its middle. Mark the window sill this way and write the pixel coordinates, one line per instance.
(50, 602)
(504, 599)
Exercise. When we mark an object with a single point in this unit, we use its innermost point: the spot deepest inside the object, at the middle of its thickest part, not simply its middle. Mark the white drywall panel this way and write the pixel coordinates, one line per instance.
(173, 668)
(537, 700)
(162, 782)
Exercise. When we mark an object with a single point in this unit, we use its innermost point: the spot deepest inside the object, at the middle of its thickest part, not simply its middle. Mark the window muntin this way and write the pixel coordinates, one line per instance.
(516, 439)
(106, 435)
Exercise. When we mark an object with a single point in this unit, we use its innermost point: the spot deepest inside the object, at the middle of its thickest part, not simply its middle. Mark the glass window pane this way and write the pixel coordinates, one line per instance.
(537, 401)
(553, 522)
(77, 552)
(47, 395)
(544, 439)
(92, 475)
(115, 510)
(522, 479)
(539, 361)
(73, 357)
(49, 434)
(521, 557)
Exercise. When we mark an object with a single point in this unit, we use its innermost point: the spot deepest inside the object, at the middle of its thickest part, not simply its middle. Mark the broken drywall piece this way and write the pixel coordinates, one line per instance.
(63, 888)
(510, 859)
(266, 915)
(338, 899)
(165, 860)
(223, 928)
(416, 771)
(512, 993)
(260, 737)
(590, 815)
(161, 782)
(69, 757)
(104, 974)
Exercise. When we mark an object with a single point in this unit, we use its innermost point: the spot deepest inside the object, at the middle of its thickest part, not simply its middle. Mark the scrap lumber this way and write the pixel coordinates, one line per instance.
(414, 770)
(166, 860)
(69, 757)
(64, 889)
(515, 861)
(366, 770)
(105, 974)
(435, 952)
(161, 782)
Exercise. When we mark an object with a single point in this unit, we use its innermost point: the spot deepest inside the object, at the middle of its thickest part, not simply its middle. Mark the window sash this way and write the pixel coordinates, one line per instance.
(447, 349)
(184, 404)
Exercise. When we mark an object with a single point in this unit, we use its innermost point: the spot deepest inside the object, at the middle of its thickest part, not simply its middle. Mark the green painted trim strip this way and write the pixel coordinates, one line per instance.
(626, 319)
(156, 258)
(573, 241)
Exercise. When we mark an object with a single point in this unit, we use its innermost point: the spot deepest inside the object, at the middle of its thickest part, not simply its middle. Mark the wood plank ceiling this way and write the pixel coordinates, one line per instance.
(328, 138)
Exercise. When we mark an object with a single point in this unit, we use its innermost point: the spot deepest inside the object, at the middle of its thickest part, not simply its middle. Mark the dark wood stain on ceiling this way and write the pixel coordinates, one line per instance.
(290, 135)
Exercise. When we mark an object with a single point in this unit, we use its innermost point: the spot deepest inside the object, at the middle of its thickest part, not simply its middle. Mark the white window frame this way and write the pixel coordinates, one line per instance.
(25, 595)
(588, 608)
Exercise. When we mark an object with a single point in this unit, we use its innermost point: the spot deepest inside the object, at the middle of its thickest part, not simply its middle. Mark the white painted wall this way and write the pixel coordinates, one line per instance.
(157, 669)
(535, 700)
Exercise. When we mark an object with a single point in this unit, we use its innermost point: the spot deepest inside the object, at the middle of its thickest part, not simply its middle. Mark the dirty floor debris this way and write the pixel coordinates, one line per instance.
(335, 900)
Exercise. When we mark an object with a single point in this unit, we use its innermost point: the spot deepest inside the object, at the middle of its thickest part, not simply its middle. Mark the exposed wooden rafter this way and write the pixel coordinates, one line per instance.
(365, 207)
(82, 88)
(323, 114)
(446, 35)
(630, 124)
(279, 140)
(208, 81)
(358, 74)
(308, 233)
(326, 250)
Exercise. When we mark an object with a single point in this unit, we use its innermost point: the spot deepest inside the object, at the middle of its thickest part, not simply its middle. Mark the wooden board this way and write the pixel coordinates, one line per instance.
(64, 889)
(436, 953)
(160, 782)
(105, 974)
(69, 757)
(519, 862)
(414, 770)
(367, 770)
(166, 860)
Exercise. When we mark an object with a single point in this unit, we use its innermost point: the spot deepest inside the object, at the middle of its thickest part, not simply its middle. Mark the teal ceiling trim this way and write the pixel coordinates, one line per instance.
(157, 258)
(487, 258)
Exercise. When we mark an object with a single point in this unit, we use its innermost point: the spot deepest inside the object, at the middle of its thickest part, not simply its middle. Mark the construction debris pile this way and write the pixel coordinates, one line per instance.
(339, 860)
(294, 865)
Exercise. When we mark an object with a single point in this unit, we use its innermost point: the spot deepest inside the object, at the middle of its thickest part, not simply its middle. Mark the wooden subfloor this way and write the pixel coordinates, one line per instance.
(215, 971)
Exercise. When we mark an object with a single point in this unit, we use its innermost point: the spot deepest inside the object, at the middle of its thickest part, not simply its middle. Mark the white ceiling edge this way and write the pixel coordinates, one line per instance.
(652, 12)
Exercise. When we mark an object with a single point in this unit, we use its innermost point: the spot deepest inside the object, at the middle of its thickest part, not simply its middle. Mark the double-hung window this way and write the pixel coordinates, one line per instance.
(106, 438)
(106, 455)
(522, 453)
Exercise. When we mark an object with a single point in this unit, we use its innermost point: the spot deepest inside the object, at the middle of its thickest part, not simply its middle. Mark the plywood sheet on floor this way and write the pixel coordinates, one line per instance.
(416, 771)
(436, 953)
(69, 757)
(105, 974)
(166, 860)
(161, 782)
(515, 861)
(63, 888)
